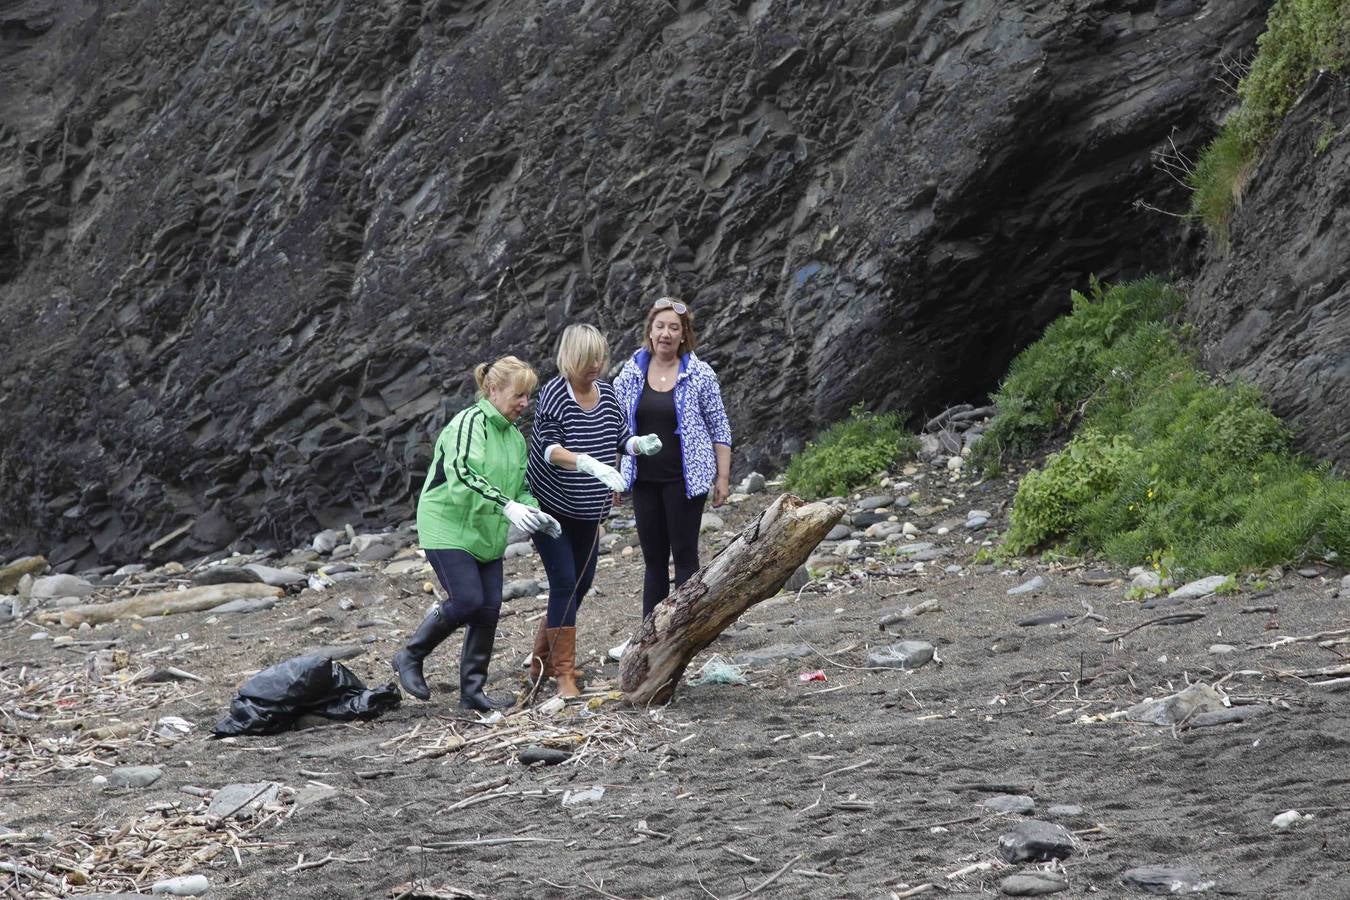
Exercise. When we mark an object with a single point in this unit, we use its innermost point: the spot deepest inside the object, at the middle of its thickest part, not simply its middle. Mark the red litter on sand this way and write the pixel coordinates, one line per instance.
(817, 675)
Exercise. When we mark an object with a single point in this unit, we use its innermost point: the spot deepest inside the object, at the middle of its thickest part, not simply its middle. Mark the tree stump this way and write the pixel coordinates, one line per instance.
(753, 567)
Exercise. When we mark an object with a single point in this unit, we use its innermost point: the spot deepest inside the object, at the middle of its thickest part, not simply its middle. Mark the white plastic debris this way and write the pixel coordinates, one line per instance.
(1288, 819)
(185, 886)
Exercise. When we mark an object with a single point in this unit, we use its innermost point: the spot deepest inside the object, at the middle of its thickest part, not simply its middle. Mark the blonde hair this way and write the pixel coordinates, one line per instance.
(506, 370)
(688, 340)
(581, 347)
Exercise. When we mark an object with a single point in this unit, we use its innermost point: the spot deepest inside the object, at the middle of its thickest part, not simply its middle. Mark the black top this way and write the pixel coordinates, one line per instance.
(656, 415)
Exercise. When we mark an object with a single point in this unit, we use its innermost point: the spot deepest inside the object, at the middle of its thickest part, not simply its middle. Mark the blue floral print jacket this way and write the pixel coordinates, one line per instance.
(700, 417)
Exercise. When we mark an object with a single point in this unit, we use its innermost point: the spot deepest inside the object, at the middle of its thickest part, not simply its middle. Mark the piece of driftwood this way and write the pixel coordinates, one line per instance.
(161, 604)
(753, 567)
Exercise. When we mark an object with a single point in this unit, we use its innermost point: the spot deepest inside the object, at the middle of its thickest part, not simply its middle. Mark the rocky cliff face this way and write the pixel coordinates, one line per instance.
(249, 251)
(1274, 307)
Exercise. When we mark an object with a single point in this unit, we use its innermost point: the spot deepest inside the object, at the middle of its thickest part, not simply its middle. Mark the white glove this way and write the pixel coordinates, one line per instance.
(527, 519)
(606, 475)
(647, 445)
(549, 525)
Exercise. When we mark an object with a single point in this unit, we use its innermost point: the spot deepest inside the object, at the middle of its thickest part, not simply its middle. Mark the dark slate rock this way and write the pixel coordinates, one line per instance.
(1169, 880)
(1035, 841)
(546, 755)
(225, 575)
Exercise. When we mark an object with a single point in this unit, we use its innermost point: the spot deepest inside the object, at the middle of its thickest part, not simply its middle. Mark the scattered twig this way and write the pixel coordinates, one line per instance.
(1172, 619)
(770, 880)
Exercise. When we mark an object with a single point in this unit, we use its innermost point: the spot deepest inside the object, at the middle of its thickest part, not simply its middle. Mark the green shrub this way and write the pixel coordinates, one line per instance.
(1049, 383)
(849, 453)
(1301, 37)
(1170, 465)
(1049, 501)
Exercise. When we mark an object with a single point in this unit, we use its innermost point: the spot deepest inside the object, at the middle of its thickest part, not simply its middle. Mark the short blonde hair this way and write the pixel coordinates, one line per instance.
(506, 370)
(688, 340)
(581, 347)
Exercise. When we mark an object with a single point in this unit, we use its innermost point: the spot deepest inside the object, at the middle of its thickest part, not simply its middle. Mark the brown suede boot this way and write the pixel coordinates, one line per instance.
(539, 655)
(562, 660)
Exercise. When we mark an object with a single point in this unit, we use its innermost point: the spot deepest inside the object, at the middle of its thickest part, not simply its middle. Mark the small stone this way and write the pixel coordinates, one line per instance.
(627, 551)
(376, 552)
(525, 587)
(1166, 880)
(224, 575)
(863, 519)
(1044, 617)
(406, 566)
(1035, 841)
(1202, 587)
(978, 514)
(11, 574)
(546, 755)
(50, 586)
(914, 549)
(240, 801)
(1064, 811)
(711, 522)
(839, 533)
(276, 577)
(1178, 707)
(1028, 587)
(1147, 581)
(881, 530)
(133, 776)
(1033, 884)
(910, 530)
(1345, 586)
(848, 548)
(515, 551)
(1008, 803)
(876, 501)
(797, 580)
(752, 483)
(904, 655)
(1222, 649)
(976, 523)
(1309, 572)
(325, 541)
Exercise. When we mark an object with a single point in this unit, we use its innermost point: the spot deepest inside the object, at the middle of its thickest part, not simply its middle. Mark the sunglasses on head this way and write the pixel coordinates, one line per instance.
(667, 303)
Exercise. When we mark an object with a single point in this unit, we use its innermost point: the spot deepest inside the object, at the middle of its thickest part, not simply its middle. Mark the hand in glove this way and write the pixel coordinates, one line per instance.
(647, 445)
(606, 475)
(527, 519)
(549, 525)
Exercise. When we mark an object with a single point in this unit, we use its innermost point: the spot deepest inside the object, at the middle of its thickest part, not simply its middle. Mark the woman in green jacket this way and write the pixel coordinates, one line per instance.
(474, 490)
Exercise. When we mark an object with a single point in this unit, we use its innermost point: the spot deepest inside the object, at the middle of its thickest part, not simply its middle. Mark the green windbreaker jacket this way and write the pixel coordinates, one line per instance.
(479, 465)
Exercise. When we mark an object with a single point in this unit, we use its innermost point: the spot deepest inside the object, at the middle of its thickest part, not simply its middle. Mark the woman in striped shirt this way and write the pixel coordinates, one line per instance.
(579, 432)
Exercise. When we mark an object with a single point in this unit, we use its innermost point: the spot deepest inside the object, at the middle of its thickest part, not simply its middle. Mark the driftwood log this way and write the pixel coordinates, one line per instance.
(753, 567)
(160, 604)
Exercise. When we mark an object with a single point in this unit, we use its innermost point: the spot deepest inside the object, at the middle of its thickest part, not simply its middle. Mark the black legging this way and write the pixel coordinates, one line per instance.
(569, 560)
(667, 525)
(475, 588)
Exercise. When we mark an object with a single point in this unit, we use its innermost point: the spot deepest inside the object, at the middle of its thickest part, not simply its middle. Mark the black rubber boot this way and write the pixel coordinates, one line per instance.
(473, 670)
(408, 661)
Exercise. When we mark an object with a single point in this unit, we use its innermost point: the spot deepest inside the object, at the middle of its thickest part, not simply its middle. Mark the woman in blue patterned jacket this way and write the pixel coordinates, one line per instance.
(668, 391)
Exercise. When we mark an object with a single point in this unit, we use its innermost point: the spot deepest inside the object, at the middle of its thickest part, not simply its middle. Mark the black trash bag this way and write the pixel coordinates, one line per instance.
(272, 700)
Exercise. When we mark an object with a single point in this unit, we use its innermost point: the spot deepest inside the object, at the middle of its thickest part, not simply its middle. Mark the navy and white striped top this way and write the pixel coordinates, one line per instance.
(600, 432)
